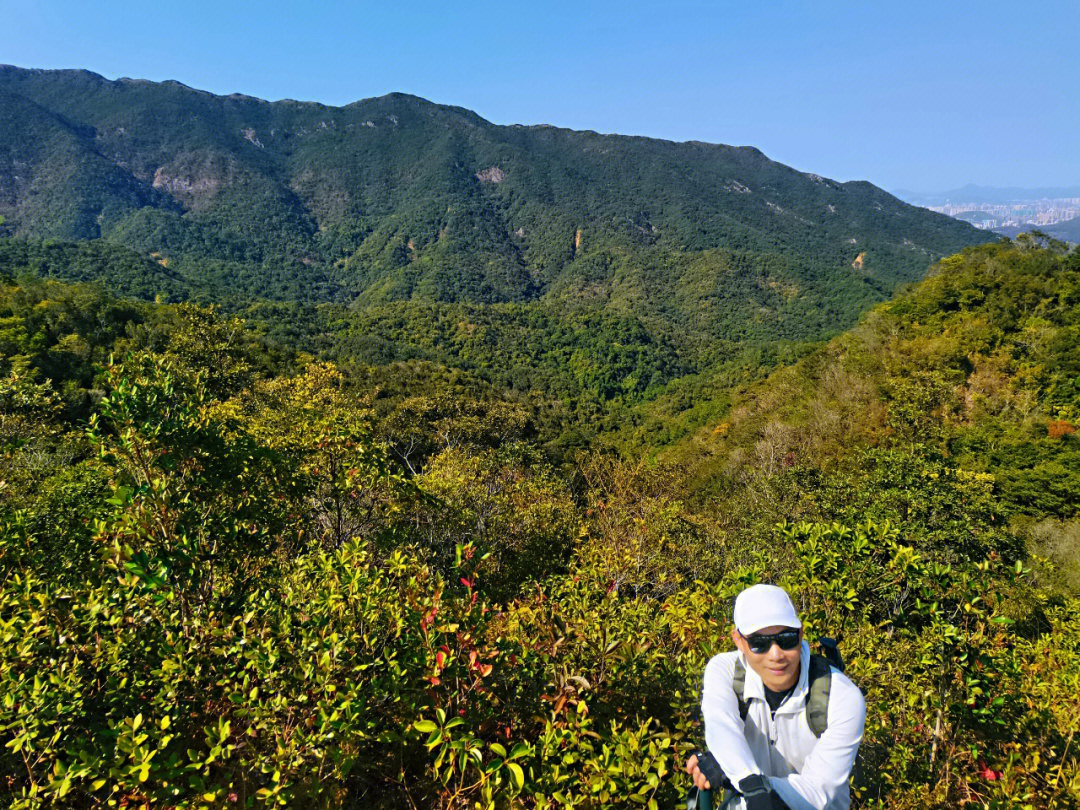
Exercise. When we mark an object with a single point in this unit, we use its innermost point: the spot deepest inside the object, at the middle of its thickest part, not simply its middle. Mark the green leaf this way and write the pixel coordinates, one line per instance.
(517, 776)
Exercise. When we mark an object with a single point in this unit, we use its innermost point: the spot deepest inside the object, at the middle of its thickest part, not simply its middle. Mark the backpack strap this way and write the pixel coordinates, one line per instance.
(817, 698)
(830, 648)
(738, 683)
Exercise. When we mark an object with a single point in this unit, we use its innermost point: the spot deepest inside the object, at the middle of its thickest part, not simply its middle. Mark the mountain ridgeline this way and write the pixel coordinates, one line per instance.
(396, 198)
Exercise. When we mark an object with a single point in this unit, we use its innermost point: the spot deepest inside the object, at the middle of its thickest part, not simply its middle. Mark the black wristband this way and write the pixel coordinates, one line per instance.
(753, 784)
(757, 793)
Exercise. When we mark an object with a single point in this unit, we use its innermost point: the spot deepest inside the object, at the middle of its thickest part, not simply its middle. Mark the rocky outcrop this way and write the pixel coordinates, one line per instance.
(193, 190)
(492, 174)
(175, 184)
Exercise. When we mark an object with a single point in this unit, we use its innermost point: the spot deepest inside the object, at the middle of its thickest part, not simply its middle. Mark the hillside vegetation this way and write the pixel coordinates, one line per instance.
(235, 574)
(980, 364)
(397, 199)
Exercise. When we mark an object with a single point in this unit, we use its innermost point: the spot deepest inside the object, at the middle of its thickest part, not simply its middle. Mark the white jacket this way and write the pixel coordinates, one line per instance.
(805, 771)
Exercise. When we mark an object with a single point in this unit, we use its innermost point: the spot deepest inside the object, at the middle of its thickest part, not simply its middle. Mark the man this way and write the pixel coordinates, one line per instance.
(785, 752)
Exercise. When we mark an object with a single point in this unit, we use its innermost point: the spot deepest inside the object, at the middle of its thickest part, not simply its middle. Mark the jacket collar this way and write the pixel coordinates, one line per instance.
(755, 688)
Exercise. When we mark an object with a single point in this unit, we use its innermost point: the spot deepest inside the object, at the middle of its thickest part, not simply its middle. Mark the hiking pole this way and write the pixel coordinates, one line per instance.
(698, 799)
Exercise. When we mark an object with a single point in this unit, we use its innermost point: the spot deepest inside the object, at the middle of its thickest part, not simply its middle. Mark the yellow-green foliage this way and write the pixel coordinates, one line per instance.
(978, 362)
(228, 593)
(519, 516)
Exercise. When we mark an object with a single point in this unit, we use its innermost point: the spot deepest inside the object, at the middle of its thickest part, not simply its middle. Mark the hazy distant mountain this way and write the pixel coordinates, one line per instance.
(1067, 231)
(397, 198)
(987, 195)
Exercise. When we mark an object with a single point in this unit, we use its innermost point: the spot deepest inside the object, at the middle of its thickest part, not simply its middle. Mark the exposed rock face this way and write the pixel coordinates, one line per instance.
(491, 175)
(249, 134)
(184, 185)
(192, 191)
(858, 263)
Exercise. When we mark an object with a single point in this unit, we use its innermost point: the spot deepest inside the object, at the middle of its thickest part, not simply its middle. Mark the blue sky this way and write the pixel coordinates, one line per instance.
(914, 95)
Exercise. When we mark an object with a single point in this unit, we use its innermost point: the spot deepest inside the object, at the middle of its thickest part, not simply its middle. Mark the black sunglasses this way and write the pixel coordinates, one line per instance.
(761, 643)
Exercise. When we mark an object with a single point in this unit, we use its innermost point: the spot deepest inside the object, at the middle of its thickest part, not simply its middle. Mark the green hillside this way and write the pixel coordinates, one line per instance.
(234, 575)
(396, 198)
(1069, 230)
(977, 367)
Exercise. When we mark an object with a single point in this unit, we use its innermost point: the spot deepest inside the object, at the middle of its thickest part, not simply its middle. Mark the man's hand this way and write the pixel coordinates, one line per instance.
(699, 779)
(705, 771)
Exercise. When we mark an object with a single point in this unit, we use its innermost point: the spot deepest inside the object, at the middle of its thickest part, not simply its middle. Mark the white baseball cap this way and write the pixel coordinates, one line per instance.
(764, 606)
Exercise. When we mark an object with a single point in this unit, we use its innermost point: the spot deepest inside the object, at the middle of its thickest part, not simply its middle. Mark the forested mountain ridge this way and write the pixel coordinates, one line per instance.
(980, 361)
(397, 198)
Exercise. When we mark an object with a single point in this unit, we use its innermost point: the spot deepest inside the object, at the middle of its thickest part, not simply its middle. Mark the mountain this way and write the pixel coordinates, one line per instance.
(1066, 231)
(1069, 230)
(396, 198)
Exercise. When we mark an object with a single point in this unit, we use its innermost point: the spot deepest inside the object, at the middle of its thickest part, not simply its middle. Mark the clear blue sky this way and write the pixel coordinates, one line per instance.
(914, 95)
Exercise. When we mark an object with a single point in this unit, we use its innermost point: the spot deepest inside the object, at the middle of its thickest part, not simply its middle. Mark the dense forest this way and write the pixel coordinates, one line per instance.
(321, 555)
(395, 201)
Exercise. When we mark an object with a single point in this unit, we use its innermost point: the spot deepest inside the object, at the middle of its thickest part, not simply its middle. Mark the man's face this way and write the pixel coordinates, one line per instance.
(778, 669)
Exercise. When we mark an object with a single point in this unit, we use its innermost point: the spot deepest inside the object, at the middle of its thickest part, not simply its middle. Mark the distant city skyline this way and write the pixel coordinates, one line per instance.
(972, 192)
(1007, 211)
(925, 96)
(995, 216)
